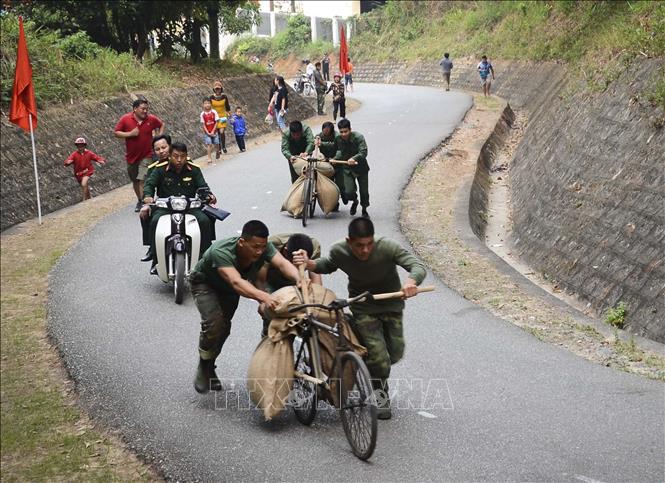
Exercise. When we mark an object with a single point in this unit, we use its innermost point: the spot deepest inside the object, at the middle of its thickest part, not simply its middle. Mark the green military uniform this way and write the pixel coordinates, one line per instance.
(167, 182)
(275, 279)
(291, 147)
(354, 148)
(328, 148)
(378, 323)
(214, 297)
(320, 85)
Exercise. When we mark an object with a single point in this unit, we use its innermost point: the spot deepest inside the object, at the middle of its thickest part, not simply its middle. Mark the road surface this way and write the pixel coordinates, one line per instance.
(478, 398)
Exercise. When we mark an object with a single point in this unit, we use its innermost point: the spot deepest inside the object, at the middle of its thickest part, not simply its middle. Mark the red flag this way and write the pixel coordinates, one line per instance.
(343, 51)
(23, 94)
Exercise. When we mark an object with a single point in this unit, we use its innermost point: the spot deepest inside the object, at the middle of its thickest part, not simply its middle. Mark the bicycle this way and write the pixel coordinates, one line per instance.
(357, 402)
(309, 194)
(309, 190)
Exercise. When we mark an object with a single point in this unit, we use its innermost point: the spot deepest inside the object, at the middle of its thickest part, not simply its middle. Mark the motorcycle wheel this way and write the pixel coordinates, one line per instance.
(179, 280)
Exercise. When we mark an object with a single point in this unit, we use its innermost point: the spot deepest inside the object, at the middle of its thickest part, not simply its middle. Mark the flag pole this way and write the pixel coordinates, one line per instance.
(34, 162)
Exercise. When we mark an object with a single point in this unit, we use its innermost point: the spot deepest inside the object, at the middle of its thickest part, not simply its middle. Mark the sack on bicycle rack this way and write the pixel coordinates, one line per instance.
(290, 297)
(293, 203)
(322, 167)
(270, 376)
(327, 193)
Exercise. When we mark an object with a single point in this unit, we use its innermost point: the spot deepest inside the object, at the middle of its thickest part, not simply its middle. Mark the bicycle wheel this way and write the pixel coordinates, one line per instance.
(306, 199)
(304, 393)
(312, 198)
(357, 405)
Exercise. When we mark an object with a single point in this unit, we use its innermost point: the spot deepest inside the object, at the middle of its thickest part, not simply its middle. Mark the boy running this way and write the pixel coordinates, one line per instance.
(82, 160)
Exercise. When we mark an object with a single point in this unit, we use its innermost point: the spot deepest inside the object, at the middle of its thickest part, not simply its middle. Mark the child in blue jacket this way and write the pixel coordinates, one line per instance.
(239, 128)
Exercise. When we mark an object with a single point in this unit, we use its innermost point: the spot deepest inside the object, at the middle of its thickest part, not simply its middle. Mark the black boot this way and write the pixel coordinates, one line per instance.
(206, 379)
(148, 256)
(381, 391)
(364, 212)
(354, 208)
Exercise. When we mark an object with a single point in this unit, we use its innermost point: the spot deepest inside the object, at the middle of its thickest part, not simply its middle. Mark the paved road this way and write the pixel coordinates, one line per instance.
(480, 399)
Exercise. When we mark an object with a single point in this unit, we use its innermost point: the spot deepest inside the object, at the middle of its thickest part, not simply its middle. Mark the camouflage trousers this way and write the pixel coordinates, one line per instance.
(383, 337)
(216, 311)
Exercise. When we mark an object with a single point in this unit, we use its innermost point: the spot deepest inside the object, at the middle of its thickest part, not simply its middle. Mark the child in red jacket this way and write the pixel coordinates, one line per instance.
(82, 160)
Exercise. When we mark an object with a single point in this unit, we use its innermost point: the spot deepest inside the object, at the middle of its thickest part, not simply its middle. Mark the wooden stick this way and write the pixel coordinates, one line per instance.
(337, 161)
(396, 295)
(308, 378)
(304, 286)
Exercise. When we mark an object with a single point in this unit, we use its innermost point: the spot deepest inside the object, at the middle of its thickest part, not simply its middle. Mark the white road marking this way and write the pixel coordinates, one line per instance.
(586, 479)
(425, 414)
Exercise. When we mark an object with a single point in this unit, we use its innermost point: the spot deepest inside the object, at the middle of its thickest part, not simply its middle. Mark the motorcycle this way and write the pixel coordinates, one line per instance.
(178, 237)
(302, 84)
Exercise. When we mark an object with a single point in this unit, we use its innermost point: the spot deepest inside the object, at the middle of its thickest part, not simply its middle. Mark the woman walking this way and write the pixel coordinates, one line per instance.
(220, 104)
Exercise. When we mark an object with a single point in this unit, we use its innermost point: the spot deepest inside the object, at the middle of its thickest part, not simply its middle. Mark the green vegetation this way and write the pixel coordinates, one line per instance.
(616, 316)
(597, 39)
(295, 39)
(72, 66)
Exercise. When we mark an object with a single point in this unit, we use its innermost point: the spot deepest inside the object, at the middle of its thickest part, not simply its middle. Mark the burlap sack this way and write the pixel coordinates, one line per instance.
(322, 167)
(293, 203)
(327, 193)
(279, 329)
(270, 376)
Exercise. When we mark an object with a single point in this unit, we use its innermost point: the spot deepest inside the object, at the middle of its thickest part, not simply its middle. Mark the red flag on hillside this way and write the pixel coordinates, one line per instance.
(343, 51)
(23, 94)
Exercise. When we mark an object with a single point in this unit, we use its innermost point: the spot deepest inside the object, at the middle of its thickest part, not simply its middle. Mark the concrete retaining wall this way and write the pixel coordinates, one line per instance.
(588, 180)
(59, 126)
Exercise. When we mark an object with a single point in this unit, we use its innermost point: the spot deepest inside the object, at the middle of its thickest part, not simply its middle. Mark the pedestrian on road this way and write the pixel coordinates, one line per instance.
(484, 69)
(325, 64)
(271, 279)
(137, 128)
(177, 177)
(447, 67)
(220, 103)
(348, 75)
(328, 147)
(297, 143)
(309, 70)
(225, 272)
(371, 265)
(239, 128)
(320, 85)
(351, 147)
(339, 99)
(82, 160)
(281, 100)
(209, 118)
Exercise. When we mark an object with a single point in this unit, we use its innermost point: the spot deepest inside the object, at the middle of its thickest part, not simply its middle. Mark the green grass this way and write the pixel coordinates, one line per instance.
(596, 39)
(73, 67)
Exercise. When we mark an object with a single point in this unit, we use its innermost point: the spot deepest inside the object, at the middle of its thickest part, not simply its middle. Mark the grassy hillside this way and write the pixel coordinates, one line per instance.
(597, 39)
(72, 67)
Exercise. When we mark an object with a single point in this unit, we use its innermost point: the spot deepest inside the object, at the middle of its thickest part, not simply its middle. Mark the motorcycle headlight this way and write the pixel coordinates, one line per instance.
(161, 204)
(195, 204)
(178, 204)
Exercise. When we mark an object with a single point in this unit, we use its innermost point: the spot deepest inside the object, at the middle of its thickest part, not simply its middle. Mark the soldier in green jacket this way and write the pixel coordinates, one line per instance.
(328, 147)
(371, 265)
(296, 142)
(176, 177)
(351, 147)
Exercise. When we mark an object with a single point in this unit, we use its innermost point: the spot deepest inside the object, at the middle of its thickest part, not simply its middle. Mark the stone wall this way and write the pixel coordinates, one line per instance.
(588, 180)
(95, 120)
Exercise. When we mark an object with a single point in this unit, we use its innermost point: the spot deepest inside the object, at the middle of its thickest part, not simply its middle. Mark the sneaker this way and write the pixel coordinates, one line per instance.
(153, 270)
(354, 208)
(139, 205)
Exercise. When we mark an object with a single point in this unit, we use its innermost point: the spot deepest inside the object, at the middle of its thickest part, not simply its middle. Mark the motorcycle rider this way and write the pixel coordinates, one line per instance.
(176, 177)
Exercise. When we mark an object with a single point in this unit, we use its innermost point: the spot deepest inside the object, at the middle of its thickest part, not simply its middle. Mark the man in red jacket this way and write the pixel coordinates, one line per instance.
(82, 160)
(137, 128)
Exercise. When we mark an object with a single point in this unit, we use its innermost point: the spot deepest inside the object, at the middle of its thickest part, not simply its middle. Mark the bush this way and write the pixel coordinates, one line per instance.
(78, 46)
(616, 316)
(297, 34)
(248, 47)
